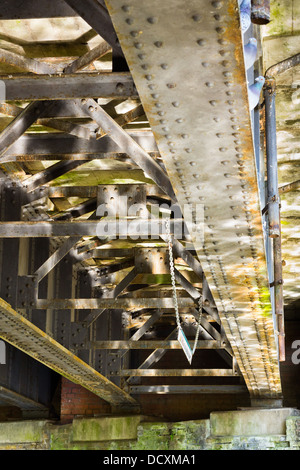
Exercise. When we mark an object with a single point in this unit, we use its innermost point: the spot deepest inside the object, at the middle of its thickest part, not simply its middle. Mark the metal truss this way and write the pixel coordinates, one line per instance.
(98, 310)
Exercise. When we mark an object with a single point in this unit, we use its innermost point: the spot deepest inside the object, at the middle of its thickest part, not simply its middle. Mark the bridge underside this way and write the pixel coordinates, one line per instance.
(122, 110)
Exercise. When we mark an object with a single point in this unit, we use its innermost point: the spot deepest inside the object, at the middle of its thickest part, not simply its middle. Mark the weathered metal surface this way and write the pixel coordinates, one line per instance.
(127, 303)
(151, 228)
(129, 146)
(202, 389)
(282, 66)
(150, 344)
(178, 372)
(217, 146)
(68, 86)
(18, 331)
(54, 145)
(260, 11)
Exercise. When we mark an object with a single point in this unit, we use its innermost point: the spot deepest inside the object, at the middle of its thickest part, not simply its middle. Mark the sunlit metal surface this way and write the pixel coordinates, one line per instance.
(187, 64)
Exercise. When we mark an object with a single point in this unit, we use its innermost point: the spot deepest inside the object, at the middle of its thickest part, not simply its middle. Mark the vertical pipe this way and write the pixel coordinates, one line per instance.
(273, 208)
(271, 151)
(260, 11)
(278, 293)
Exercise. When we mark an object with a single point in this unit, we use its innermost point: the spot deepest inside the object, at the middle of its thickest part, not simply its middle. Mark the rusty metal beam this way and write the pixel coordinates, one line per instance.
(188, 389)
(69, 86)
(25, 63)
(128, 145)
(49, 147)
(150, 344)
(127, 303)
(51, 173)
(152, 228)
(177, 373)
(86, 59)
(55, 258)
(21, 333)
(294, 186)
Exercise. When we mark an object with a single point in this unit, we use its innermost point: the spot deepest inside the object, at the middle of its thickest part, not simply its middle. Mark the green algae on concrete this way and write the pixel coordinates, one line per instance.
(22, 432)
(110, 428)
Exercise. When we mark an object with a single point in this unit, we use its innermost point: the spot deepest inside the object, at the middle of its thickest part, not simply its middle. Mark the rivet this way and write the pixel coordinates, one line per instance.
(161, 113)
(163, 121)
(145, 66)
(125, 8)
(201, 42)
(223, 42)
(158, 44)
(188, 150)
(134, 34)
(158, 105)
(213, 103)
(217, 4)
(220, 30)
(165, 129)
(196, 176)
(227, 74)
(205, 64)
(230, 102)
(222, 52)
(184, 136)
(129, 20)
(216, 119)
(148, 77)
(232, 111)
(228, 84)
(138, 45)
(152, 19)
(171, 85)
(155, 96)
(209, 84)
(227, 175)
(142, 56)
(171, 144)
(164, 66)
(179, 120)
(175, 104)
(196, 18)
(222, 149)
(225, 162)
(219, 135)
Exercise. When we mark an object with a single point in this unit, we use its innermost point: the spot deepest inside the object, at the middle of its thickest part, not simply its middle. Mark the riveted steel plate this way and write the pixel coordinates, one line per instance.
(24, 335)
(186, 59)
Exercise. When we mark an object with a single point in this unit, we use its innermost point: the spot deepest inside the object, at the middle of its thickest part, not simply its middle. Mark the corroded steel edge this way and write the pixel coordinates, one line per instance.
(244, 305)
(21, 333)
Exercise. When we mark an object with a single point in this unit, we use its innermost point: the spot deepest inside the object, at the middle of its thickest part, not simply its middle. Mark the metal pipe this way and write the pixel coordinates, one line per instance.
(260, 11)
(282, 66)
(271, 151)
(274, 208)
(278, 291)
